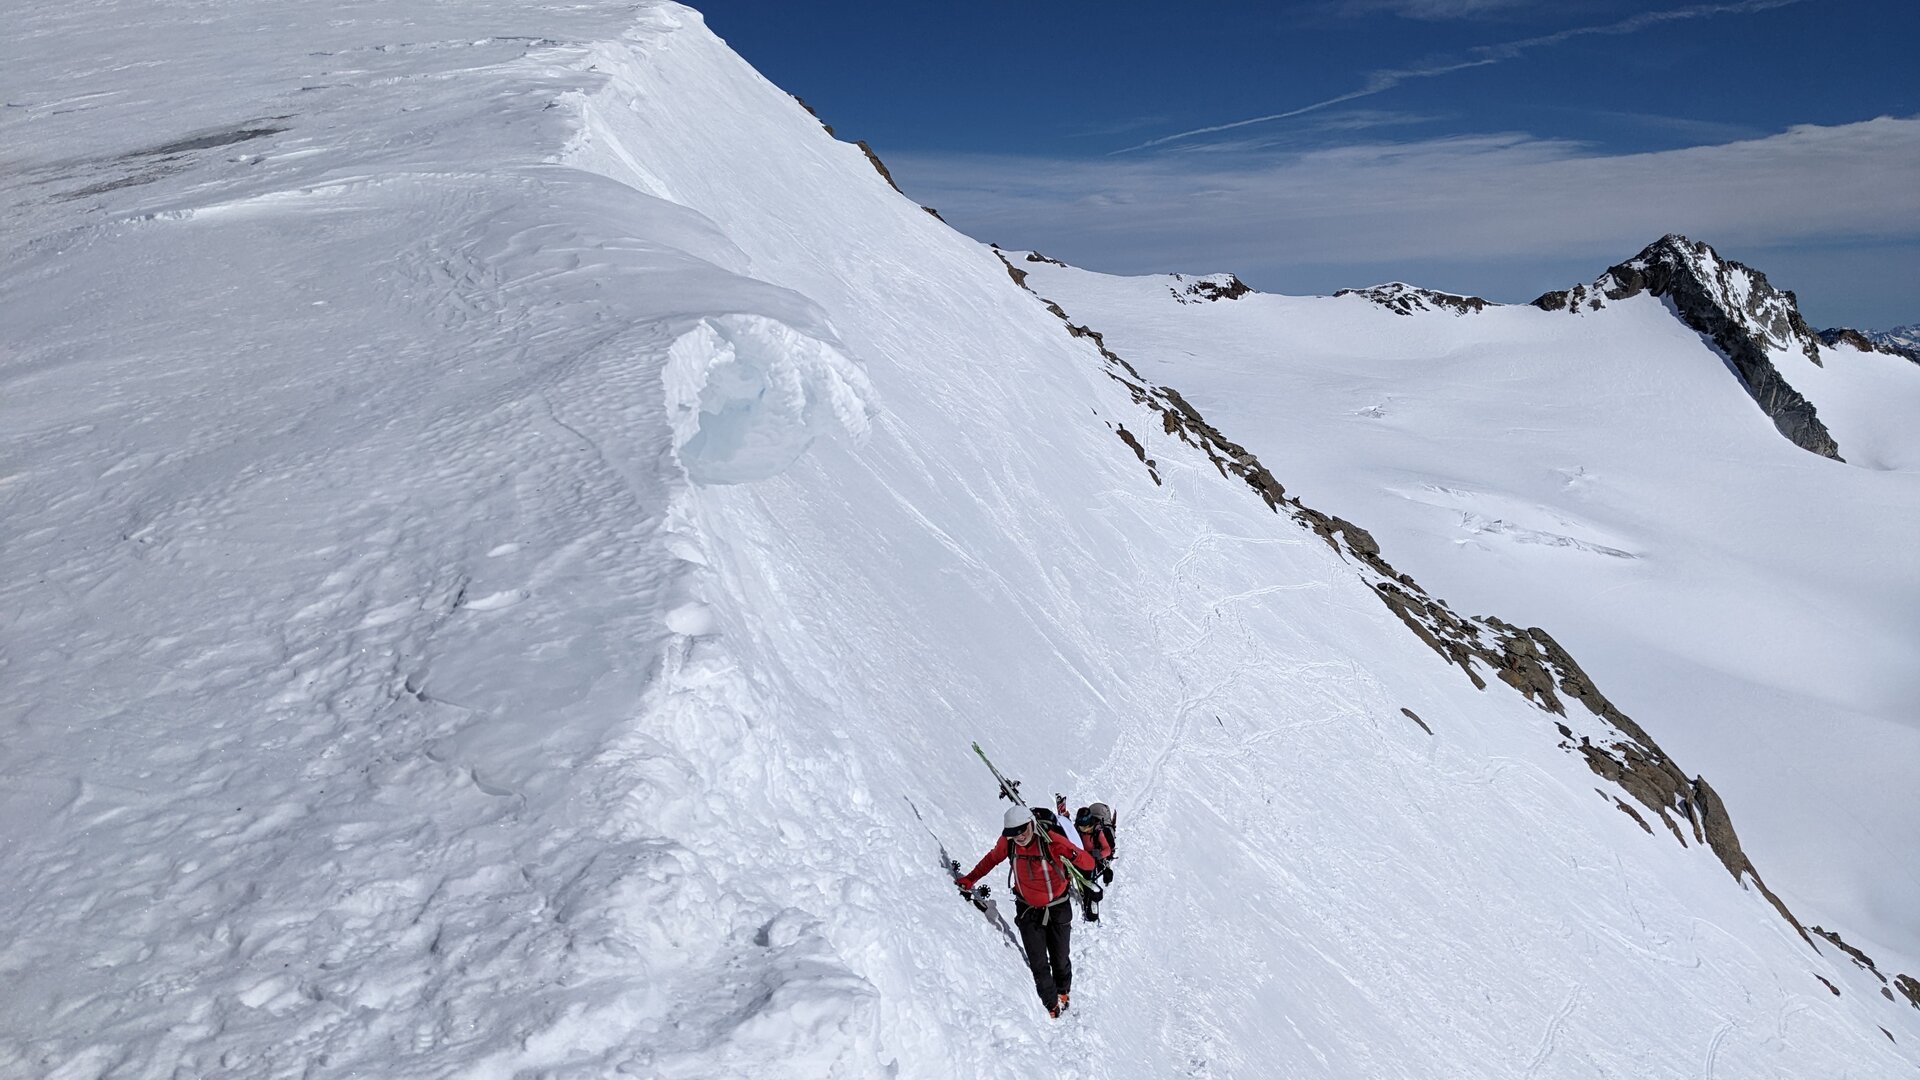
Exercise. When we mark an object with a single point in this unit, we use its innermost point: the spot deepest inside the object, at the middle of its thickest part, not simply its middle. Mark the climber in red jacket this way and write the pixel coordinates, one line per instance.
(1041, 909)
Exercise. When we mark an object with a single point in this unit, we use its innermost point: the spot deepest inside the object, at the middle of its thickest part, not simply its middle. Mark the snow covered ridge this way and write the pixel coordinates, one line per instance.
(1756, 326)
(1201, 290)
(1528, 660)
(1899, 341)
(1404, 299)
(484, 563)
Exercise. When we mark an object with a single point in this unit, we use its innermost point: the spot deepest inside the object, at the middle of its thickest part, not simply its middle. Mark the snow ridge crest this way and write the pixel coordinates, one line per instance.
(1404, 299)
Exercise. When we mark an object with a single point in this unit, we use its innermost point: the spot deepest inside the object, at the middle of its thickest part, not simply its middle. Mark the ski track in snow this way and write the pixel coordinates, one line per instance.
(1551, 1036)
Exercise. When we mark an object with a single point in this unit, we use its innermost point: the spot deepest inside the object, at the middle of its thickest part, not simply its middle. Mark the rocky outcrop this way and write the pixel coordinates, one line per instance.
(873, 158)
(803, 104)
(1202, 290)
(1901, 341)
(1746, 318)
(878, 165)
(1404, 299)
(1909, 988)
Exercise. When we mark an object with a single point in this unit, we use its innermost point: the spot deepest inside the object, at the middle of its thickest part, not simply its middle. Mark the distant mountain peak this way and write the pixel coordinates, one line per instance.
(1899, 341)
(1404, 299)
(1730, 303)
(1201, 290)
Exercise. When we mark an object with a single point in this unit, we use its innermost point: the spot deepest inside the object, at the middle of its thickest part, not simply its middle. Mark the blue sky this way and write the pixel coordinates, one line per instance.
(1497, 147)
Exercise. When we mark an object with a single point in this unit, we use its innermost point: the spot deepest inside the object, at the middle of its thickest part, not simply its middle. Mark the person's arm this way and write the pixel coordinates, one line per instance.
(992, 859)
(1065, 848)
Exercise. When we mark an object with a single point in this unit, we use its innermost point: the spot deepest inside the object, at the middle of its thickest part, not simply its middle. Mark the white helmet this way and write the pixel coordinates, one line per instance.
(1017, 818)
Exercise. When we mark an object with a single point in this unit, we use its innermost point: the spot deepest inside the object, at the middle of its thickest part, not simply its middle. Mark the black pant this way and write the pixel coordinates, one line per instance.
(1046, 943)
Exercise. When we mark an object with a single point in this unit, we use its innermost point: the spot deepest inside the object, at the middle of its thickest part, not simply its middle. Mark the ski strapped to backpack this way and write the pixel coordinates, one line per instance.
(1010, 790)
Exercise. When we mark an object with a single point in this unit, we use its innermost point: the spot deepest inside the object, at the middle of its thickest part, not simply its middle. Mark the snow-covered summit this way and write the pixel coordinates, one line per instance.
(1905, 338)
(1404, 299)
(1207, 288)
(1757, 327)
(1899, 341)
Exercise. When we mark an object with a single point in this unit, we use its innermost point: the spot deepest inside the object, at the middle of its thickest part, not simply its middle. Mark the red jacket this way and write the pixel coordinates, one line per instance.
(1096, 843)
(1038, 880)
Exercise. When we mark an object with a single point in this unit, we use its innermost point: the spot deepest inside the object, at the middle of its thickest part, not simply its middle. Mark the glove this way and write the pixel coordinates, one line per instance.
(965, 893)
(1106, 874)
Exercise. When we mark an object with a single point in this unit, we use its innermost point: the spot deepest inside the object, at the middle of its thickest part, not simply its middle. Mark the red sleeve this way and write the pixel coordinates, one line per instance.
(1065, 847)
(992, 859)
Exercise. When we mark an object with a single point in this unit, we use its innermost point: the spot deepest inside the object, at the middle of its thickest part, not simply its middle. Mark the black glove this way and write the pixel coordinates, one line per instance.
(1106, 874)
(965, 893)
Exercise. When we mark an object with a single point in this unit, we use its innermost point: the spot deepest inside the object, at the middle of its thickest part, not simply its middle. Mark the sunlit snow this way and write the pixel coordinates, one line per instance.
(503, 511)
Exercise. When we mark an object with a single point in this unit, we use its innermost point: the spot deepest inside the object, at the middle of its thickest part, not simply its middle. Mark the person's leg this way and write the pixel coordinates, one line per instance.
(1059, 943)
(1038, 942)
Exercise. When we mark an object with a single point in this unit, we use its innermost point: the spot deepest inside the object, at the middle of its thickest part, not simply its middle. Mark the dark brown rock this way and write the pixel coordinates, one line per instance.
(878, 165)
(1909, 988)
(1860, 959)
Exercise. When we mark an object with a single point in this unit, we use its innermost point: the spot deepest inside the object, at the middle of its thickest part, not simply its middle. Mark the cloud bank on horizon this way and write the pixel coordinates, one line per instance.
(1487, 200)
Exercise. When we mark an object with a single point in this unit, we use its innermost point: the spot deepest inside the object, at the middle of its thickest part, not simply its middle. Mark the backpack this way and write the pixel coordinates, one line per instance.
(1096, 819)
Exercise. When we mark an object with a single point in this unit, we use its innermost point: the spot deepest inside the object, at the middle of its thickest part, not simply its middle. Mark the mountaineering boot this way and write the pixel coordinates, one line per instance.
(1054, 1012)
(1064, 998)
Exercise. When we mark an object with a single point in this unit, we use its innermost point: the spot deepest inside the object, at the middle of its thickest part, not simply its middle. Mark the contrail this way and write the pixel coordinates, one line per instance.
(1381, 81)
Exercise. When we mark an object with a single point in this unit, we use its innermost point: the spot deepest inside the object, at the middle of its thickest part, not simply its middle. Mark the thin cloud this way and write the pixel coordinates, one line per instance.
(1116, 127)
(1492, 198)
(1379, 82)
(1430, 10)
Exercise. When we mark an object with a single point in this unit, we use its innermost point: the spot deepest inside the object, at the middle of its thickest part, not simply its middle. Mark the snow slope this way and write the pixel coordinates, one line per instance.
(490, 559)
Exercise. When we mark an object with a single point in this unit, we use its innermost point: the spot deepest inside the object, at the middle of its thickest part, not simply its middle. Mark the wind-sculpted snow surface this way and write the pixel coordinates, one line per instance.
(487, 557)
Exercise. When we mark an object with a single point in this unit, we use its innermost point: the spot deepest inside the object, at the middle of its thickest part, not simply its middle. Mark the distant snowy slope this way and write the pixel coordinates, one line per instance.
(493, 559)
(1603, 477)
(1869, 399)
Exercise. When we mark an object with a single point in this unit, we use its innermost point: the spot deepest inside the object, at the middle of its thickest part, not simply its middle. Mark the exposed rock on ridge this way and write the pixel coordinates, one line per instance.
(872, 158)
(1903, 341)
(1734, 306)
(1204, 289)
(1404, 299)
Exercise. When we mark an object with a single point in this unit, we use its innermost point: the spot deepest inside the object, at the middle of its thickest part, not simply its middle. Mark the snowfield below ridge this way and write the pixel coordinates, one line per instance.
(1604, 476)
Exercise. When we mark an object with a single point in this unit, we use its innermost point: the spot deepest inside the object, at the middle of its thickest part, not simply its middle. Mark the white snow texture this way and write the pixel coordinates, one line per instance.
(502, 511)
